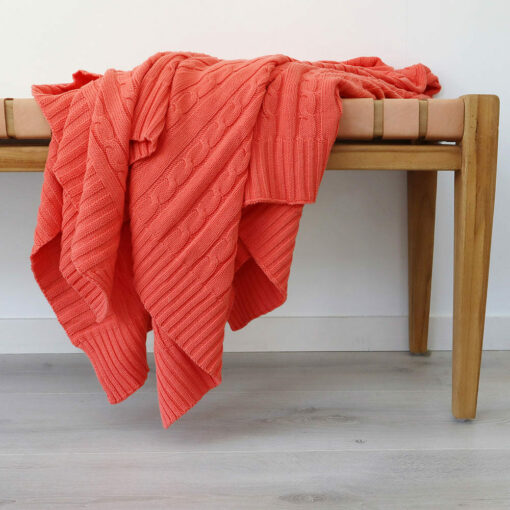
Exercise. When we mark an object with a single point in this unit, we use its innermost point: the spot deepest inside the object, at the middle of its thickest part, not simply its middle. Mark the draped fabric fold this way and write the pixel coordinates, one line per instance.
(171, 201)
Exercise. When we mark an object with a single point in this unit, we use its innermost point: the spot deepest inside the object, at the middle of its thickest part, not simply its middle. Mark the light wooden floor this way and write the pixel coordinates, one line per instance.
(301, 430)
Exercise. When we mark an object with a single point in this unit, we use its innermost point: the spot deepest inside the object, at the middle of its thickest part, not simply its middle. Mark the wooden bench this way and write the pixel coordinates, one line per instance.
(421, 137)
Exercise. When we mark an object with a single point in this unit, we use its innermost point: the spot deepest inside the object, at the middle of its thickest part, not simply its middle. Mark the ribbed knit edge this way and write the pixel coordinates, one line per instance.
(286, 170)
(268, 233)
(118, 358)
(115, 348)
(181, 382)
(259, 300)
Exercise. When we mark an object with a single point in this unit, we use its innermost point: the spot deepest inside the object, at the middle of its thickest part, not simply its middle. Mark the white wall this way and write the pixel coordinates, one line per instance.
(350, 262)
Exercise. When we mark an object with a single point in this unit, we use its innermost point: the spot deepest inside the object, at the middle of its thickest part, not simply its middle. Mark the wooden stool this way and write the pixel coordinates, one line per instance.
(393, 134)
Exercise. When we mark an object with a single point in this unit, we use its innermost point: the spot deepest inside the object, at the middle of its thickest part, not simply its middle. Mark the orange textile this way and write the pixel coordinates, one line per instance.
(171, 201)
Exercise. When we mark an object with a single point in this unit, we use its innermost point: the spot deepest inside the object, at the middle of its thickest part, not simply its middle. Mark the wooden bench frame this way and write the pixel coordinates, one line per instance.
(473, 159)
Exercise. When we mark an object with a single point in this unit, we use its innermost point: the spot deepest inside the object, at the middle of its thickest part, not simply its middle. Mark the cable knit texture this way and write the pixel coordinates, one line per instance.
(171, 201)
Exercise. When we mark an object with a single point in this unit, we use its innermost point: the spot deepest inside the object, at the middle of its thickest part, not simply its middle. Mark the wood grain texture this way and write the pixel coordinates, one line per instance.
(344, 156)
(388, 480)
(475, 187)
(421, 217)
(284, 430)
(284, 420)
(390, 156)
(23, 158)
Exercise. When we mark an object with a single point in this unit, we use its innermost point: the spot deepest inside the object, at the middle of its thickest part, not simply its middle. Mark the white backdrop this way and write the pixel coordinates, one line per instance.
(348, 285)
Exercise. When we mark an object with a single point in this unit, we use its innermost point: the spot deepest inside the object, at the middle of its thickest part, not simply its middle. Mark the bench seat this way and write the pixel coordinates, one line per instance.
(362, 119)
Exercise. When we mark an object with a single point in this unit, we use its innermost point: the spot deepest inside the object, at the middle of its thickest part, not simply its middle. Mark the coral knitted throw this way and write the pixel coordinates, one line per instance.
(172, 197)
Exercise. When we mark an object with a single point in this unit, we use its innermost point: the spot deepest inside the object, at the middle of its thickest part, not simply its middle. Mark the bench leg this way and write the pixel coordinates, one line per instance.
(421, 214)
(474, 205)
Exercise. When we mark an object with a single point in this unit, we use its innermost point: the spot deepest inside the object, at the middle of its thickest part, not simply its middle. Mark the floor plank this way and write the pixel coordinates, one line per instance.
(467, 479)
(252, 421)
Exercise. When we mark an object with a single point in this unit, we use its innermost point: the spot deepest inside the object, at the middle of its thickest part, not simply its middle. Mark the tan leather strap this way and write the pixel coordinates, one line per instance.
(362, 119)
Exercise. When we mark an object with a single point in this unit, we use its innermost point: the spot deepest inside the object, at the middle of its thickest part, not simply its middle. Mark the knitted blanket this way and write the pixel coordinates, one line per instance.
(171, 201)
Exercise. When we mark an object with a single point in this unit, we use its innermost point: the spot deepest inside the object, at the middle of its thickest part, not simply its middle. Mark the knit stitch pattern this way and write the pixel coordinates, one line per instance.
(171, 201)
